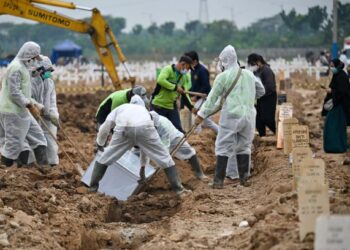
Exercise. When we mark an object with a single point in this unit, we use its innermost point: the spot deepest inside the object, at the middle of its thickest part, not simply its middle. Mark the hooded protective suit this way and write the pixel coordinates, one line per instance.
(43, 92)
(237, 119)
(16, 123)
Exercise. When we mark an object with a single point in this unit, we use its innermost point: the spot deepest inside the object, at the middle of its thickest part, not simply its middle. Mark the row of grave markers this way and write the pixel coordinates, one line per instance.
(89, 74)
(311, 185)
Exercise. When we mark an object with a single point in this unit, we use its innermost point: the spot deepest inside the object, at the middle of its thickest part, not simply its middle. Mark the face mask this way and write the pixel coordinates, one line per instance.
(31, 64)
(184, 71)
(254, 68)
(47, 74)
(334, 70)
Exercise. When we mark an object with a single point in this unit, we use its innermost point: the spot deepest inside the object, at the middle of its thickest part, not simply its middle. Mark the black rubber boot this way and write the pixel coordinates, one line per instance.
(220, 172)
(23, 158)
(6, 161)
(174, 180)
(40, 153)
(243, 168)
(97, 175)
(196, 167)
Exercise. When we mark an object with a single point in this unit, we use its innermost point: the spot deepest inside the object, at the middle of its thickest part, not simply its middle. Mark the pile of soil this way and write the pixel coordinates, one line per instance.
(53, 209)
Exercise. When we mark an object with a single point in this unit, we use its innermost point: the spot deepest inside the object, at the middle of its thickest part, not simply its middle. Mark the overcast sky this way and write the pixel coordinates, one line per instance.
(180, 11)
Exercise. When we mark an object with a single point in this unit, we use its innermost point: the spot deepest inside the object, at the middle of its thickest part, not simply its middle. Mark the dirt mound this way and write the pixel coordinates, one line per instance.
(42, 209)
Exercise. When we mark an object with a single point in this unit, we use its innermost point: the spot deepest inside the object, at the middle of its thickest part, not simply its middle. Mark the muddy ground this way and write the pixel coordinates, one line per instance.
(53, 210)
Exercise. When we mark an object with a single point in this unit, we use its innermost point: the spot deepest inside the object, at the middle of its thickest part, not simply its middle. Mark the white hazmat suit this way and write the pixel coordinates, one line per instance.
(17, 125)
(43, 92)
(232, 169)
(170, 138)
(237, 118)
(207, 122)
(132, 126)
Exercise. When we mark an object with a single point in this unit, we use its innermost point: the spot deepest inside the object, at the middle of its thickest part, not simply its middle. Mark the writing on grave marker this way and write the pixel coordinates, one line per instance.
(313, 201)
(298, 156)
(287, 134)
(300, 136)
(332, 232)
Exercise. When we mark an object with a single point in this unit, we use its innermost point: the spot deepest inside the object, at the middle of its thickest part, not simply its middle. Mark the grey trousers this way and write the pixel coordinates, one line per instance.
(145, 137)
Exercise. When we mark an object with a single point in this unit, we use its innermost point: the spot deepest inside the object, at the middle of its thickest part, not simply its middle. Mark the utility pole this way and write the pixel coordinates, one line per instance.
(335, 29)
(187, 16)
(203, 11)
(232, 15)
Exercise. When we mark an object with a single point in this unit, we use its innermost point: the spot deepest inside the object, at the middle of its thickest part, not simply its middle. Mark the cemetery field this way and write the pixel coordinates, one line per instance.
(53, 210)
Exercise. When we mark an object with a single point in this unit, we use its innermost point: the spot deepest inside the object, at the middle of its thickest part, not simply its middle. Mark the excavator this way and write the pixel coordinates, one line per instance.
(101, 34)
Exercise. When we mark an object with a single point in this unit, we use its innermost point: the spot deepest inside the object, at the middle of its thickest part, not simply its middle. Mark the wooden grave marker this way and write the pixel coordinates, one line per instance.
(300, 136)
(287, 134)
(313, 170)
(298, 156)
(313, 201)
(285, 112)
(332, 232)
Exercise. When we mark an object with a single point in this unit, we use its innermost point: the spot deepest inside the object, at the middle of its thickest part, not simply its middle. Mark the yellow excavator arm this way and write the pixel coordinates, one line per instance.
(98, 29)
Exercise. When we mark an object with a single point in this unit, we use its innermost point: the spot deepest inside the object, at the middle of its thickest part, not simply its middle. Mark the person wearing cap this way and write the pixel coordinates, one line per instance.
(116, 99)
(174, 80)
(18, 111)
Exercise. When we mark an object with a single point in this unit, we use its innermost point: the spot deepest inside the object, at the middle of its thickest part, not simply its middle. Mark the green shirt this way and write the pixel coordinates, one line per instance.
(118, 98)
(167, 82)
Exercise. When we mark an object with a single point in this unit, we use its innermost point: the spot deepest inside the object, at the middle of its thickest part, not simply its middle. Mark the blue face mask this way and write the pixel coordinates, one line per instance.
(47, 75)
(334, 70)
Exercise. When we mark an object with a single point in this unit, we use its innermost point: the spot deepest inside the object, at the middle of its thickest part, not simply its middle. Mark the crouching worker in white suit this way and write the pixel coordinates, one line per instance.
(133, 126)
(170, 137)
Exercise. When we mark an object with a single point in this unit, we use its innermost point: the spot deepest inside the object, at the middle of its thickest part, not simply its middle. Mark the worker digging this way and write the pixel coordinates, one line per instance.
(199, 142)
(114, 114)
(132, 130)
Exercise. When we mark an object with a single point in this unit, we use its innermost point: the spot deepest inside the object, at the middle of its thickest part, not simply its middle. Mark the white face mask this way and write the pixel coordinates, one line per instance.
(253, 68)
(184, 71)
(31, 64)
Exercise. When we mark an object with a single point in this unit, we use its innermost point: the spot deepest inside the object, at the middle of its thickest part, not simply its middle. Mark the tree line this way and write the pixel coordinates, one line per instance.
(284, 30)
